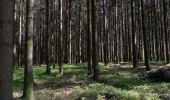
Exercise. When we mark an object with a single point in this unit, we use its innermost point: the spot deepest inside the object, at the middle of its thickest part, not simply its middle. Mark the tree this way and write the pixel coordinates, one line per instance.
(70, 35)
(89, 57)
(48, 70)
(144, 37)
(60, 53)
(28, 71)
(165, 30)
(133, 36)
(105, 32)
(94, 41)
(6, 48)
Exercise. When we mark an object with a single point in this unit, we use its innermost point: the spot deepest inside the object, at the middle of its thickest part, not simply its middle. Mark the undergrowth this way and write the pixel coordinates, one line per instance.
(117, 82)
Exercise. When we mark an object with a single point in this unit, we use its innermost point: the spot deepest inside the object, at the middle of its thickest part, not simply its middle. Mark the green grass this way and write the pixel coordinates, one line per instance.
(158, 63)
(116, 83)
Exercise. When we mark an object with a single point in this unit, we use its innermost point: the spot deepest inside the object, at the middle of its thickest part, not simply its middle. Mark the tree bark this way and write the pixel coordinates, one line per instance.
(48, 69)
(165, 30)
(28, 71)
(133, 36)
(94, 41)
(89, 57)
(6, 48)
(144, 36)
(60, 54)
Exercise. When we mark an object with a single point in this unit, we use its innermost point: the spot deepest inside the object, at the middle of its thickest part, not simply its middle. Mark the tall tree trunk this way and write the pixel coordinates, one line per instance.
(28, 72)
(105, 32)
(70, 35)
(94, 41)
(79, 36)
(66, 31)
(133, 36)
(60, 54)
(144, 36)
(165, 30)
(89, 57)
(48, 69)
(6, 48)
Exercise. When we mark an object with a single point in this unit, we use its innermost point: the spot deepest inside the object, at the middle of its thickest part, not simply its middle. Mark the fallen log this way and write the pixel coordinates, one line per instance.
(161, 74)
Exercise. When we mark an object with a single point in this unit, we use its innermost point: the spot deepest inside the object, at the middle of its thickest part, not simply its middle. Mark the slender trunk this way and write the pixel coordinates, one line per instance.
(133, 36)
(60, 38)
(94, 41)
(28, 72)
(48, 69)
(105, 32)
(89, 57)
(144, 36)
(165, 30)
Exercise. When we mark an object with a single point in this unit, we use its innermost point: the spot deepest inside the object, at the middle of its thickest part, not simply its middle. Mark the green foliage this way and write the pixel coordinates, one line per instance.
(18, 78)
(116, 83)
(159, 63)
(97, 91)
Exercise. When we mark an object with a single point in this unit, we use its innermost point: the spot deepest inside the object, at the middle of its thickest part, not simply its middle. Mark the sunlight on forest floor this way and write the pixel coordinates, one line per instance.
(117, 82)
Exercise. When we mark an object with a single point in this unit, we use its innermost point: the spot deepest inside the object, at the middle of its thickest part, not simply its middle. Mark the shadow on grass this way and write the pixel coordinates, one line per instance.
(73, 76)
(122, 82)
(119, 77)
(57, 85)
(122, 77)
(17, 85)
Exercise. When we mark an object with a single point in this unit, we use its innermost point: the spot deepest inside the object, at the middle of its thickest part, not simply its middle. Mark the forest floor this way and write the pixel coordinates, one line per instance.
(117, 82)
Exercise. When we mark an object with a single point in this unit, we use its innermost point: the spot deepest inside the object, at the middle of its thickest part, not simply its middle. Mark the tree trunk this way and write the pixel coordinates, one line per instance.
(60, 54)
(6, 48)
(48, 70)
(94, 41)
(133, 36)
(105, 32)
(165, 30)
(89, 57)
(144, 36)
(28, 72)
